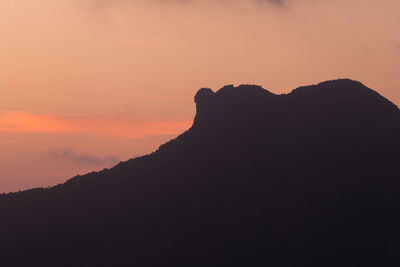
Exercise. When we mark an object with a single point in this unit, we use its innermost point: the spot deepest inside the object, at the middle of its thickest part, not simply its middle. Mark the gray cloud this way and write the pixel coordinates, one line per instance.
(276, 2)
(67, 153)
(101, 3)
(97, 5)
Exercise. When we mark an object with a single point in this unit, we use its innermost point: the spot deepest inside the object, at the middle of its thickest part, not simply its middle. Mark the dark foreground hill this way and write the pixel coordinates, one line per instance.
(311, 178)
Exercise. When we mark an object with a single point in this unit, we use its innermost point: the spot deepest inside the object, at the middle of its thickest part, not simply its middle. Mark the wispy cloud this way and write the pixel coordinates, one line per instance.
(276, 2)
(121, 125)
(66, 153)
(95, 4)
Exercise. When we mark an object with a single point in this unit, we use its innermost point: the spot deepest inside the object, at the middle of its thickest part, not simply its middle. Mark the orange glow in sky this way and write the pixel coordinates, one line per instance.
(123, 126)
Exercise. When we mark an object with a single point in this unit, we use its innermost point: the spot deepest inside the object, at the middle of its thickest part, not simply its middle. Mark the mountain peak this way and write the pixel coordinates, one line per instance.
(203, 94)
(210, 103)
(232, 103)
(244, 90)
(335, 86)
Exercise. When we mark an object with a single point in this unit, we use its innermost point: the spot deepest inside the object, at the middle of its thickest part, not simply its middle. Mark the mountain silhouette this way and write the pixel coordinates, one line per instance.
(309, 178)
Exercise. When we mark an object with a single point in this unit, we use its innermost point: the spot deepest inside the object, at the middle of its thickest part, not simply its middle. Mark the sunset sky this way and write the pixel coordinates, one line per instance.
(85, 84)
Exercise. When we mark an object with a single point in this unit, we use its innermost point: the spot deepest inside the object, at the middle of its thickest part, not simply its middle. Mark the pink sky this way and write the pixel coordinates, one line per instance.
(95, 79)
